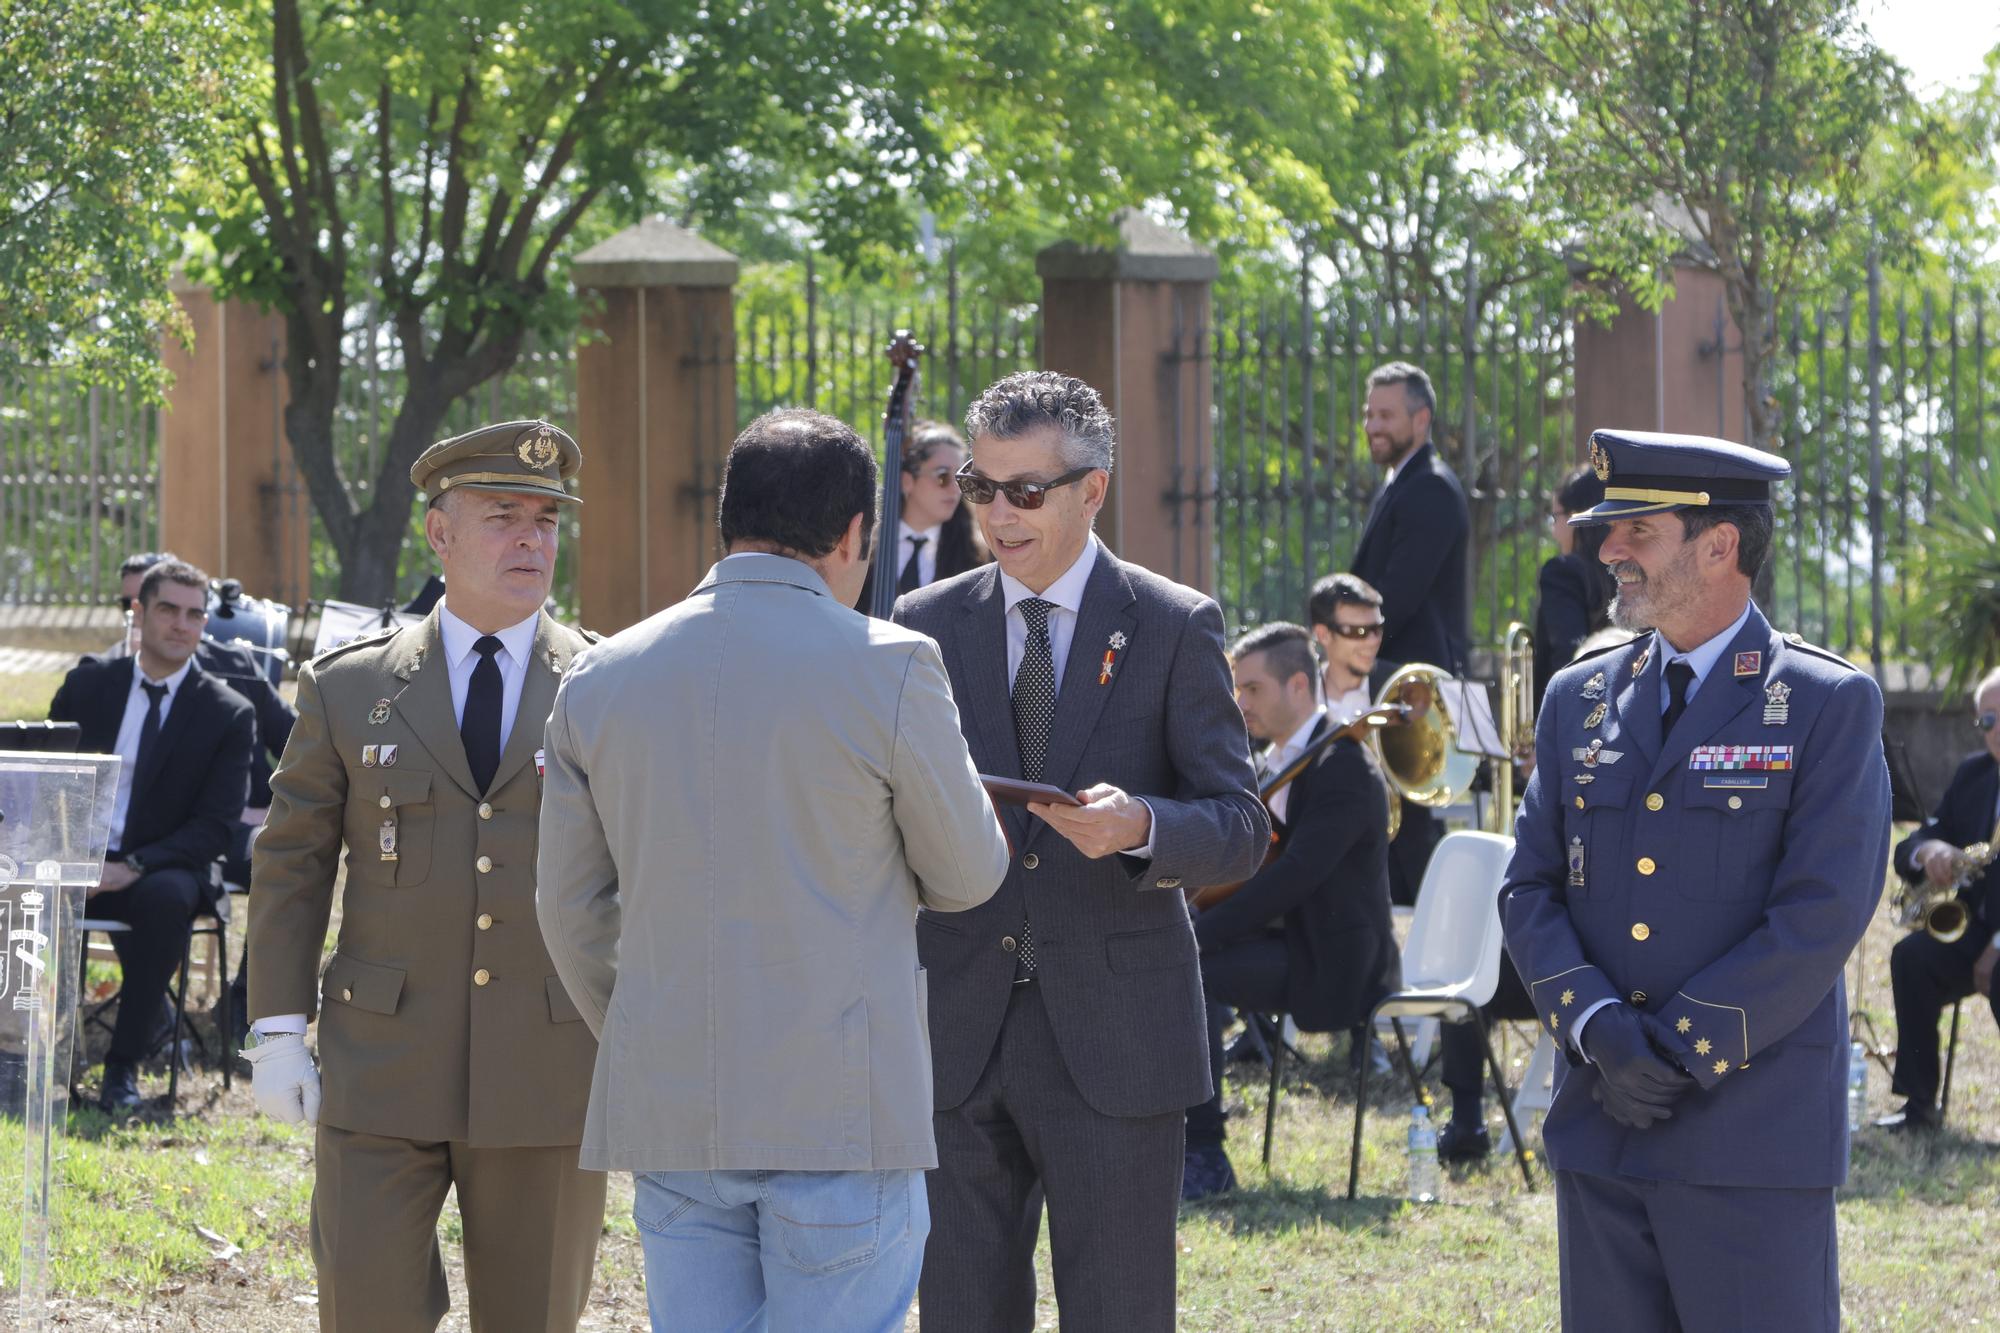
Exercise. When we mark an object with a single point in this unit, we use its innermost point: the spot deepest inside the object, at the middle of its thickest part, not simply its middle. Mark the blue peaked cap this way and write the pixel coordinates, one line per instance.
(1645, 472)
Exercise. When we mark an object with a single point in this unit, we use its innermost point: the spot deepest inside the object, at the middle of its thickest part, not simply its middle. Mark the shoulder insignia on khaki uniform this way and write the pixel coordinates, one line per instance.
(359, 641)
(591, 636)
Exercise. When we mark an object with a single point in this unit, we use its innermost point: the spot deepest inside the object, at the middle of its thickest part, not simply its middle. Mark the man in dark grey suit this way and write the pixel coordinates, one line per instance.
(1067, 1027)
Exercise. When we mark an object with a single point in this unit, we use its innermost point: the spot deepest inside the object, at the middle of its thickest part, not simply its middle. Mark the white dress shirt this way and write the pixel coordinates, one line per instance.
(1350, 705)
(1702, 657)
(926, 554)
(1065, 599)
(1277, 757)
(517, 645)
(129, 727)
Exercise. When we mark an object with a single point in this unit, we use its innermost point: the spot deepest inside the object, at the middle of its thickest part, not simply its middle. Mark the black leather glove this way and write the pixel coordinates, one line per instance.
(1636, 1087)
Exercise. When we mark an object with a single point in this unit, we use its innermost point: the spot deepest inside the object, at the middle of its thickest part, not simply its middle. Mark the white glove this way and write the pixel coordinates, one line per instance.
(283, 1079)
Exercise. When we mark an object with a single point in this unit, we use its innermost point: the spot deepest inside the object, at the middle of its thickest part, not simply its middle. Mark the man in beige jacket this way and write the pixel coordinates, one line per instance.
(748, 797)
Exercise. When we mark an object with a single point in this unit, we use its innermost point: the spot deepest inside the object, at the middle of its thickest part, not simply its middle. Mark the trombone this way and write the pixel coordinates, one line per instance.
(1517, 717)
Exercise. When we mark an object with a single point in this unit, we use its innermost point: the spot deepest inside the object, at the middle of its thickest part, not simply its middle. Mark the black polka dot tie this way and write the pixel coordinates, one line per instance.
(1034, 715)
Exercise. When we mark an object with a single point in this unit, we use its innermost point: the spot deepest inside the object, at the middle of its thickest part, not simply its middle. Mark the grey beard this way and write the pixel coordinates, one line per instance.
(1626, 616)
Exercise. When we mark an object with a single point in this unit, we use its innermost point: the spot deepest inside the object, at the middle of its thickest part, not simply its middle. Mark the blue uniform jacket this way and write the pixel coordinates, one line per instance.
(1720, 893)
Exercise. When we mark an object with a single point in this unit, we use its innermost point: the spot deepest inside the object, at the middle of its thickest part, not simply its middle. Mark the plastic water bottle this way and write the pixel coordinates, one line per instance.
(1423, 1156)
(1857, 1086)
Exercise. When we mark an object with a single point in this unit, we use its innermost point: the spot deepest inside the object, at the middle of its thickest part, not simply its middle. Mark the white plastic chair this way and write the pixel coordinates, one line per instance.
(1451, 965)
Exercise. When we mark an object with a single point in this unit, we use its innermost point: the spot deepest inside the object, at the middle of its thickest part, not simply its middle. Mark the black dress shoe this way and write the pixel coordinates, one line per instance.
(1462, 1143)
(1248, 1048)
(120, 1094)
(1206, 1172)
(1912, 1119)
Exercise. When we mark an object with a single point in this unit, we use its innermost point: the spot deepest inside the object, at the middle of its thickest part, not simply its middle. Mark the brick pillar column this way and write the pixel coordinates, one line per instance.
(655, 412)
(230, 497)
(1678, 370)
(1133, 321)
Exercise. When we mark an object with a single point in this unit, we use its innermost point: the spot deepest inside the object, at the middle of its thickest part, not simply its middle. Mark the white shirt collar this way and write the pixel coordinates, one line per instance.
(172, 682)
(1299, 740)
(1066, 592)
(929, 534)
(1702, 657)
(459, 637)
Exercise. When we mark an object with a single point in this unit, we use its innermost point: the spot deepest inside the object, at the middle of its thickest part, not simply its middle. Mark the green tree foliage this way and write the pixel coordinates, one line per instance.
(434, 165)
(1740, 129)
(107, 108)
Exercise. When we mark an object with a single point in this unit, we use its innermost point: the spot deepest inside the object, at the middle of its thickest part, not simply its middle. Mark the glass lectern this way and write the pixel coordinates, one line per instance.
(55, 812)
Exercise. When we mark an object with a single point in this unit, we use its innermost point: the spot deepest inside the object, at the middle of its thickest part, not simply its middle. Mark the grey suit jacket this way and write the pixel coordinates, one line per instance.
(748, 797)
(1115, 954)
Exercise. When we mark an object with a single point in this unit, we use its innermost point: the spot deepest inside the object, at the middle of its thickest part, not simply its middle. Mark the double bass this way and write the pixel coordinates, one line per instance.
(904, 353)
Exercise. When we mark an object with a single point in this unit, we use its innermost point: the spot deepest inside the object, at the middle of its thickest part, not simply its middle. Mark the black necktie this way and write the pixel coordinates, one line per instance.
(912, 578)
(149, 730)
(1034, 714)
(1679, 676)
(480, 727)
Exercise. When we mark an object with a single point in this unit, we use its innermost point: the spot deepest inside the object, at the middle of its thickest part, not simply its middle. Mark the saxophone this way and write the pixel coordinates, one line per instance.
(1939, 910)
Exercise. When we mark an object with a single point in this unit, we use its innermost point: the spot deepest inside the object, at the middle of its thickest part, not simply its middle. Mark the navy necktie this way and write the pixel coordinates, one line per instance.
(149, 730)
(480, 727)
(1034, 715)
(1679, 676)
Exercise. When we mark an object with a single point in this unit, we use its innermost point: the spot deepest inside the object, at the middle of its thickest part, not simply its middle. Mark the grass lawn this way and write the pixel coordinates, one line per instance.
(201, 1222)
(24, 696)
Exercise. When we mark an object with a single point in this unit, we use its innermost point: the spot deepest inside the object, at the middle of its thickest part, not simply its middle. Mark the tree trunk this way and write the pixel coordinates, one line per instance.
(368, 567)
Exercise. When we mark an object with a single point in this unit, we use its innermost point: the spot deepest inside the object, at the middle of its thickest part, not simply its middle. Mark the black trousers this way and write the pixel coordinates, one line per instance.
(1248, 975)
(1112, 1184)
(160, 908)
(1465, 1055)
(1410, 854)
(1925, 976)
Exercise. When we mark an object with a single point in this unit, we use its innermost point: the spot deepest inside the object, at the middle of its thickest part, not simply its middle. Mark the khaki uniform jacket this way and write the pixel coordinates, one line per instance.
(443, 1018)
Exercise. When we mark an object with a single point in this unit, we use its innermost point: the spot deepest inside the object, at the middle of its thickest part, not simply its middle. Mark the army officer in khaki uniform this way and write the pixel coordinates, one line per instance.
(452, 1054)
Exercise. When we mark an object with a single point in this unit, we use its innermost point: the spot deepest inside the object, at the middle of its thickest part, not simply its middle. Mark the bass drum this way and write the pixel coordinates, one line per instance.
(252, 623)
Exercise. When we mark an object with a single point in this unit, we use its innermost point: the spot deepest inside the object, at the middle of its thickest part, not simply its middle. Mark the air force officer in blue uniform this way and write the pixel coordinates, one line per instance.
(1702, 844)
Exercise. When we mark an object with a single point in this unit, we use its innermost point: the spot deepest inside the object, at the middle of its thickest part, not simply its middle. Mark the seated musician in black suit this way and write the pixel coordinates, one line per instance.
(1308, 934)
(185, 738)
(1925, 973)
(237, 668)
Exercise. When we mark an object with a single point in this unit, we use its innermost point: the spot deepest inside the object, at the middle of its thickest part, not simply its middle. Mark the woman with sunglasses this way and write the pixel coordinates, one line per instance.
(1575, 590)
(938, 536)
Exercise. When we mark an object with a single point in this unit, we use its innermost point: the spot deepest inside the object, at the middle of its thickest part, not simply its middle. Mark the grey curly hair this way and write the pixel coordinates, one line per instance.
(1034, 398)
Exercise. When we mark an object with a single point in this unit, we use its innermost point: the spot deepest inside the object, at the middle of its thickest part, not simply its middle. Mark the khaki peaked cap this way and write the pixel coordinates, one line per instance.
(533, 457)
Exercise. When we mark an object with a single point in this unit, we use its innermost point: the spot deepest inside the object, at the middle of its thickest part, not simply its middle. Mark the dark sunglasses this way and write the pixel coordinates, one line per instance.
(1021, 494)
(1356, 631)
(937, 476)
(1985, 721)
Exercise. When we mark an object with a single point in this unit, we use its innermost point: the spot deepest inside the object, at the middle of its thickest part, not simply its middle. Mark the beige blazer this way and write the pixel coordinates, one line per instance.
(749, 795)
(443, 1019)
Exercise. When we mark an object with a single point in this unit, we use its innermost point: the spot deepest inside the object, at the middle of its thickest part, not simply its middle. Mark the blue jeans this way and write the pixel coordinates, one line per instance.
(750, 1251)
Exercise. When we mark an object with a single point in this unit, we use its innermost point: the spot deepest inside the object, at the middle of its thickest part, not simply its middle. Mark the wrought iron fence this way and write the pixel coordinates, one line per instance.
(79, 486)
(1293, 477)
(1887, 401)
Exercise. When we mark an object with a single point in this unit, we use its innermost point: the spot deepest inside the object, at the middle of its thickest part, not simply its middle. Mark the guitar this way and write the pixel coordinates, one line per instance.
(904, 353)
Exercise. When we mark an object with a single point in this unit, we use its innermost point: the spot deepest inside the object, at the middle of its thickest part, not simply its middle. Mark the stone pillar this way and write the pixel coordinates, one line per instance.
(1133, 321)
(1678, 370)
(655, 412)
(230, 497)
